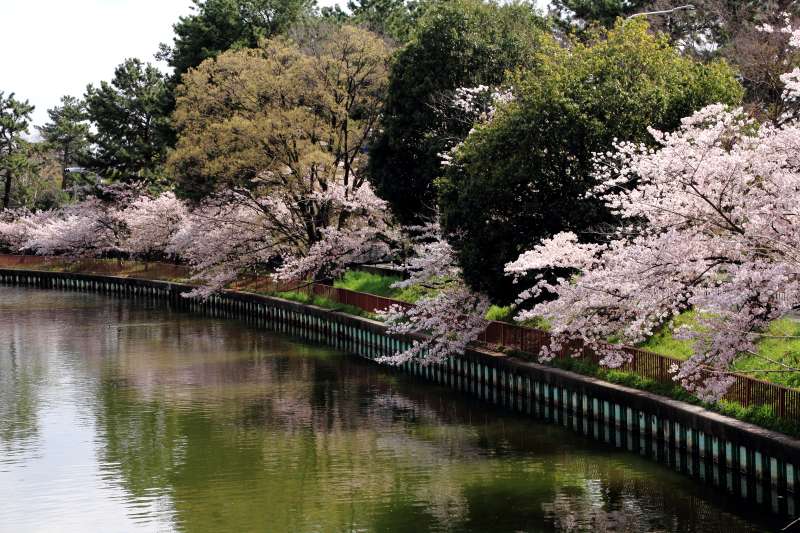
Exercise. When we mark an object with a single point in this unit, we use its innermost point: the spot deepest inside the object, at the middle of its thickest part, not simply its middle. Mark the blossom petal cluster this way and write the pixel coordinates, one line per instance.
(710, 222)
(447, 323)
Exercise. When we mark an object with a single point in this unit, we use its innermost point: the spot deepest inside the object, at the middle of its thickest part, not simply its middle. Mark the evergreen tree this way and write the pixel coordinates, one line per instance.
(219, 25)
(603, 12)
(67, 134)
(130, 116)
(458, 43)
(524, 175)
(394, 19)
(15, 117)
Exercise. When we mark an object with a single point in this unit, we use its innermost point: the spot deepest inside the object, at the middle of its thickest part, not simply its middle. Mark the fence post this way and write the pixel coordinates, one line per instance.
(782, 402)
(749, 394)
(662, 363)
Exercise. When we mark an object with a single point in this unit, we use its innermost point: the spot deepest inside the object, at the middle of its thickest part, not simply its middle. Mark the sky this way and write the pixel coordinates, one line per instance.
(49, 48)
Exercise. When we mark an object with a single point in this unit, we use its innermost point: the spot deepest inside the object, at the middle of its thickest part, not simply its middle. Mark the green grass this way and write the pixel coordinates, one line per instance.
(376, 284)
(381, 285)
(321, 301)
(665, 343)
(507, 314)
(786, 350)
(501, 314)
(783, 350)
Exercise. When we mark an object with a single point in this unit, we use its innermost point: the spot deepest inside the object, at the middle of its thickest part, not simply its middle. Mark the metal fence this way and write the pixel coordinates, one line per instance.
(115, 267)
(365, 301)
(746, 390)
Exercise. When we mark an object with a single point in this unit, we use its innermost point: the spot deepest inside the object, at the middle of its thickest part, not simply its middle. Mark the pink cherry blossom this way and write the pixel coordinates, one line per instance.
(152, 223)
(710, 222)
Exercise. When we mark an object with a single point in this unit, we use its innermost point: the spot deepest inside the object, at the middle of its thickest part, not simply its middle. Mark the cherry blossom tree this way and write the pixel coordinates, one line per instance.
(243, 232)
(227, 237)
(447, 322)
(152, 222)
(363, 233)
(16, 226)
(710, 223)
(90, 228)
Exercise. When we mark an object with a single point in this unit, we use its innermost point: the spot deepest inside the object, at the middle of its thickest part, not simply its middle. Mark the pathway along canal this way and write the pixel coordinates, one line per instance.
(119, 415)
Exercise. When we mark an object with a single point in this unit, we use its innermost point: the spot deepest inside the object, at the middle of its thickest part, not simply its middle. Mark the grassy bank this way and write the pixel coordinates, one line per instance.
(381, 285)
(321, 301)
(781, 350)
(782, 345)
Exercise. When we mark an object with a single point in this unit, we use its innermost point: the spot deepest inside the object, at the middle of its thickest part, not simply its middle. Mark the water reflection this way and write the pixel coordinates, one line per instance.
(118, 416)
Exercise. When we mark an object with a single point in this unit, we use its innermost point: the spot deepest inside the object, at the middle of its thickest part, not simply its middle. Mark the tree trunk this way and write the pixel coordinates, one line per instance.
(64, 174)
(7, 192)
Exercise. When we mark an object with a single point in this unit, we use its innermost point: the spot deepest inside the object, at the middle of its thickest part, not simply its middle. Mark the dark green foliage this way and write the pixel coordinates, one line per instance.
(15, 117)
(524, 177)
(458, 43)
(219, 25)
(130, 115)
(394, 19)
(603, 12)
(67, 134)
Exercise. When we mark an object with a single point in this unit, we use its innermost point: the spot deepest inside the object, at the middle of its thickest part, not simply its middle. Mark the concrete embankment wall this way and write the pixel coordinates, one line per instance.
(739, 459)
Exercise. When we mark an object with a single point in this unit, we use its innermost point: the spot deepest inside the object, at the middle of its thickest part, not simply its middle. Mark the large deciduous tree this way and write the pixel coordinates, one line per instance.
(458, 43)
(274, 138)
(15, 117)
(523, 176)
(131, 126)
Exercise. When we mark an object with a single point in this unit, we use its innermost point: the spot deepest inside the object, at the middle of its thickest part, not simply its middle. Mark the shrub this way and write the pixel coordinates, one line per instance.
(524, 176)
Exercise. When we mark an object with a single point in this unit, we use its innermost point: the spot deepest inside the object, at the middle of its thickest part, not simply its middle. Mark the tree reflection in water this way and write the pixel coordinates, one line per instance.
(211, 425)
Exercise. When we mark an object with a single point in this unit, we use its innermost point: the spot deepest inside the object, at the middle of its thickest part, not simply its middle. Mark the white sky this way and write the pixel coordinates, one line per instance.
(49, 48)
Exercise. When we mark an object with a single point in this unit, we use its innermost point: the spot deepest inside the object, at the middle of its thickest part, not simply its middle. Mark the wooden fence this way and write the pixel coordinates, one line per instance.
(746, 390)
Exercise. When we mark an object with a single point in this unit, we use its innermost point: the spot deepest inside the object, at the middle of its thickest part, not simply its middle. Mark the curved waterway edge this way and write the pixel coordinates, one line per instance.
(755, 465)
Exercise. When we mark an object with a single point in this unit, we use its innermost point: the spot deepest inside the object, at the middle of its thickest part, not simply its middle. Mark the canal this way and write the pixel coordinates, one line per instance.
(121, 415)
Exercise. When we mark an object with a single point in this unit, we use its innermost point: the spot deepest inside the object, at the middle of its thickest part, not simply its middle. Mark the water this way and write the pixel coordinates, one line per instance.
(120, 416)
